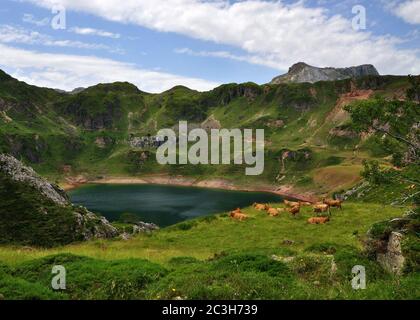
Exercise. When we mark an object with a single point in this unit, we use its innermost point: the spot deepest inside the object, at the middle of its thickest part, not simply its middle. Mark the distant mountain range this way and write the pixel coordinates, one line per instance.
(302, 72)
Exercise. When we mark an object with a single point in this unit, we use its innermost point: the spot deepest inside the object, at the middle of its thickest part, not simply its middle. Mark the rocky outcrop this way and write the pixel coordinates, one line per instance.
(393, 243)
(30, 147)
(36, 212)
(343, 132)
(301, 156)
(302, 72)
(20, 173)
(229, 92)
(143, 227)
(298, 155)
(91, 226)
(211, 123)
(393, 260)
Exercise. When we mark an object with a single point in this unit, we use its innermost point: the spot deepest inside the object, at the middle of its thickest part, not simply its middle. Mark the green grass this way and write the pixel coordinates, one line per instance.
(212, 257)
(203, 238)
(216, 258)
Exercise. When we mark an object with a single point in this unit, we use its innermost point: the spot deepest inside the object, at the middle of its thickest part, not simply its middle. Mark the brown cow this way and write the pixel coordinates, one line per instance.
(294, 210)
(291, 204)
(333, 203)
(260, 206)
(273, 212)
(238, 215)
(318, 220)
(321, 207)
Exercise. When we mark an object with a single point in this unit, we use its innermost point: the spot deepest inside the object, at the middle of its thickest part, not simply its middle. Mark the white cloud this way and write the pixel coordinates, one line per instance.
(95, 32)
(254, 59)
(70, 71)
(10, 34)
(29, 18)
(273, 31)
(409, 11)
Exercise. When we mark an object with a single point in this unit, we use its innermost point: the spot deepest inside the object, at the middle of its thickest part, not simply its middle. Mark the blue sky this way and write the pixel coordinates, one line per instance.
(157, 44)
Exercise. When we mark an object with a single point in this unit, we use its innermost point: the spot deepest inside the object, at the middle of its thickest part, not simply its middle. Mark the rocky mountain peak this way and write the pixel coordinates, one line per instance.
(297, 67)
(302, 72)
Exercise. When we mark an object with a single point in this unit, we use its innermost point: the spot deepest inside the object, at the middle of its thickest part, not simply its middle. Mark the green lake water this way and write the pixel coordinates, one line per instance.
(163, 205)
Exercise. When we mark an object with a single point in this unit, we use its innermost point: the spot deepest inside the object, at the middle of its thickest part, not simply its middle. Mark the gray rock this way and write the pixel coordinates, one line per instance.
(125, 236)
(302, 72)
(143, 227)
(393, 260)
(91, 226)
(21, 173)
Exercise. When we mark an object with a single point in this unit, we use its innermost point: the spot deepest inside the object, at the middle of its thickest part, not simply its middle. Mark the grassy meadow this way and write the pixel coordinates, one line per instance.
(216, 257)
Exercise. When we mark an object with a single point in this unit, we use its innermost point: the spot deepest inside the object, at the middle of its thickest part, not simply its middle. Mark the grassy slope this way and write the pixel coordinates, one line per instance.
(63, 139)
(226, 259)
(206, 236)
(116, 269)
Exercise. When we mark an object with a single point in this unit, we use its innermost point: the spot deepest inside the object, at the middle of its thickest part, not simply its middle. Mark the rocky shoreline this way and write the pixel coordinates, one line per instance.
(283, 191)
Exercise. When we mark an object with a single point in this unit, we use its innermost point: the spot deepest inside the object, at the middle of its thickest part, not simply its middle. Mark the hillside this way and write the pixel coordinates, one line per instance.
(87, 134)
(312, 147)
(218, 258)
(35, 212)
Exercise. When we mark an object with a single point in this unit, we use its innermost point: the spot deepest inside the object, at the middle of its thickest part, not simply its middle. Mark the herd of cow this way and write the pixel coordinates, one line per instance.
(294, 208)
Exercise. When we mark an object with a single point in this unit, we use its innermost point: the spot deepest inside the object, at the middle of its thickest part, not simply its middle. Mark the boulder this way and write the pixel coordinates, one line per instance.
(393, 260)
(143, 227)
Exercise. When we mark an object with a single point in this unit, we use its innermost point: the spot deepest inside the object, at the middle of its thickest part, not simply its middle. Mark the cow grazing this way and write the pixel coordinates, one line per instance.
(273, 212)
(260, 206)
(321, 207)
(291, 204)
(318, 220)
(333, 203)
(294, 210)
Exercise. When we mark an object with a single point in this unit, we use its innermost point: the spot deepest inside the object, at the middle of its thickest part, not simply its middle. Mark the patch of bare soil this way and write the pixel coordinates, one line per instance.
(338, 114)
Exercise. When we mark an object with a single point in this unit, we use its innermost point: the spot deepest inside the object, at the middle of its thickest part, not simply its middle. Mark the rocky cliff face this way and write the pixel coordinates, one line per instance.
(36, 212)
(302, 72)
(22, 174)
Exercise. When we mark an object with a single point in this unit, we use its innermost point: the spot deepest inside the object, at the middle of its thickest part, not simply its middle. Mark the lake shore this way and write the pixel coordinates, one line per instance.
(285, 191)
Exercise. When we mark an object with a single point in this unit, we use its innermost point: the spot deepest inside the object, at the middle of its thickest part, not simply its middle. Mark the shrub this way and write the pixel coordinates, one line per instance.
(186, 225)
(13, 288)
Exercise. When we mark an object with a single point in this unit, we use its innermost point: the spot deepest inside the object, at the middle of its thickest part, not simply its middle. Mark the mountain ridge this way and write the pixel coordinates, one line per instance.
(89, 133)
(302, 72)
